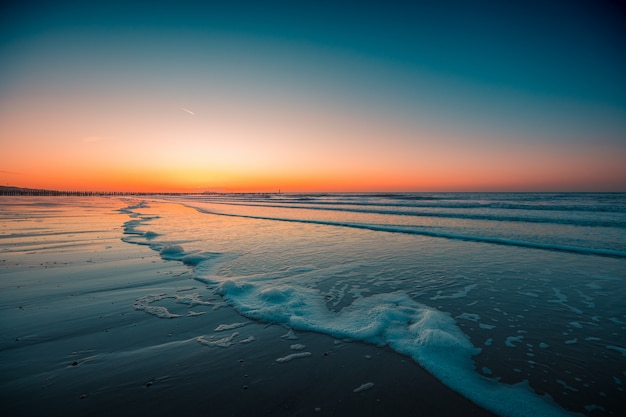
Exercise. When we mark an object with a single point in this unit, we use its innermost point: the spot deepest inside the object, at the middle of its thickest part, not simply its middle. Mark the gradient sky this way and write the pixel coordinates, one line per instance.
(313, 96)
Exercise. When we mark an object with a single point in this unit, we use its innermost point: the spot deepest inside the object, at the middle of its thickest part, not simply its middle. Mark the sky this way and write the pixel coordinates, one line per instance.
(307, 96)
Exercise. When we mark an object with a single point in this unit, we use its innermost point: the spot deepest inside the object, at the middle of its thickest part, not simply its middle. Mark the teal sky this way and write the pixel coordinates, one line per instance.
(509, 82)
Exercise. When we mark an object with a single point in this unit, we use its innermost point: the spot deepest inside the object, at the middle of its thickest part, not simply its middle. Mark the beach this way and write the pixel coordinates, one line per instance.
(313, 209)
(95, 325)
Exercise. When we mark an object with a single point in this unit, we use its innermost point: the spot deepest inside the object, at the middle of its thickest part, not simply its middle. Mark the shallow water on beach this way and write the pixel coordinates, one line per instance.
(516, 296)
(513, 300)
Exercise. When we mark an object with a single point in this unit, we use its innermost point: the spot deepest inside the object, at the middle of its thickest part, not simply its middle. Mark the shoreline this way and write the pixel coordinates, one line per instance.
(74, 344)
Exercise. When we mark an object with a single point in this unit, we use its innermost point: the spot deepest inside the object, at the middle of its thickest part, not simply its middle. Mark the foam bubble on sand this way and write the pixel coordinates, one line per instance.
(567, 387)
(511, 340)
(248, 339)
(364, 387)
(191, 299)
(469, 316)
(290, 335)
(223, 342)
(475, 318)
(562, 299)
(617, 348)
(160, 312)
(431, 337)
(149, 298)
(297, 346)
(223, 327)
(293, 356)
(144, 304)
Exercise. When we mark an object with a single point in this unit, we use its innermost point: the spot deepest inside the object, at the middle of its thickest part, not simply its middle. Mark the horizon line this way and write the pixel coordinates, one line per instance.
(16, 190)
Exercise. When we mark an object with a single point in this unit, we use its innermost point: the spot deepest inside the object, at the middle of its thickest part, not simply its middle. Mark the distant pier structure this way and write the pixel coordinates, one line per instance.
(18, 191)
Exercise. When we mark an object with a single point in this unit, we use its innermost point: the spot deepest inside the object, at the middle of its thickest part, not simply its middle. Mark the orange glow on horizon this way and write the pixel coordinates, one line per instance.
(391, 180)
(250, 149)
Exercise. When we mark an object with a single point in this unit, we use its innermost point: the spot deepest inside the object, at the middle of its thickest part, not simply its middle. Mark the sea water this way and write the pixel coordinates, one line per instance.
(516, 301)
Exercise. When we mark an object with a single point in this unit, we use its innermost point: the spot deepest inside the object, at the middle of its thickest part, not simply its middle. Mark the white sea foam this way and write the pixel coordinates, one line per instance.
(429, 336)
(223, 327)
(144, 304)
(223, 342)
(293, 356)
(290, 335)
(364, 387)
(297, 346)
(511, 340)
(567, 387)
(469, 316)
(160, 312)
(248, 339)
(191, 299)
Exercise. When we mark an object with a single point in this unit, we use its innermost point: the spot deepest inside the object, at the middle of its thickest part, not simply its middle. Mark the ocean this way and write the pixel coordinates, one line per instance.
(513, 300)
(516, 301)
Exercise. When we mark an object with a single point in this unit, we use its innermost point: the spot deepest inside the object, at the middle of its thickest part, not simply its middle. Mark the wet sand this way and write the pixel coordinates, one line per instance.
(75, 340)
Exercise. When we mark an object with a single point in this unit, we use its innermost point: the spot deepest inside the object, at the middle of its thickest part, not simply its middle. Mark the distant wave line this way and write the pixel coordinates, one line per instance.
(422, 204)
(545, 220)
(453, 236)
